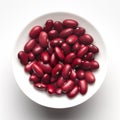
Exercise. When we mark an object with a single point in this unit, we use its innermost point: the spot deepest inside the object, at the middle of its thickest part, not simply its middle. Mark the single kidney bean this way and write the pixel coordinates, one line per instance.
(50, 89)
(68, 86)
(56, 42)
(80, 74)
(79, 31)
(73, 75)
(66, 48)
(66, 71)
(50, 49)
(66, 32)
(53, 60)
(86, 39)
(76, 47)
(23, 57)
(57, 69)
(29, 45)
(37, 50)
(72, 39)
(31, 56)
(70, 23)
(58, 91)
(93, 48)
(34, 78)
(60, 81)
(58, 26)
(43, 39)
(40, 86)
(45, 78)
(53, 79)
(73, 92)
(52, 34)
(89, 56)
(89, 77)
(94, 65)
(48, 25)
(37, 70)
(83, 86)
(35, 31)
(82, 51)
(59, 53)
(76, 62)
(85, 65)
(45, 57)
(70, 57)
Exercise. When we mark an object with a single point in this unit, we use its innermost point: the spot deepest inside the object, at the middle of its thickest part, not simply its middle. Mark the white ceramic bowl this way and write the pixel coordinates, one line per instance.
(43, 98)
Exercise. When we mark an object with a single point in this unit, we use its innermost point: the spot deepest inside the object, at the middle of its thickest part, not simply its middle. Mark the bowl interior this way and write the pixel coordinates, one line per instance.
(41, 97)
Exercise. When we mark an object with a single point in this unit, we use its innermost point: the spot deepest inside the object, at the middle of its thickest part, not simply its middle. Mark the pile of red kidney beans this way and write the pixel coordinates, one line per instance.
(60, 58)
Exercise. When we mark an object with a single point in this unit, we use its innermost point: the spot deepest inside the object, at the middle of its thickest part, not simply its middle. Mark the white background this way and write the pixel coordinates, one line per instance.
(104, 15)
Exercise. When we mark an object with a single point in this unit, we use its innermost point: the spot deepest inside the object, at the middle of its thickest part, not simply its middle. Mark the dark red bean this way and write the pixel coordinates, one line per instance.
(40, 86)
(93, 48)
(89, 77)
(59, 53)
(76, 47)
(56, 42)
(58, 26)
(82, 51)
(80, 74)
(73, 92)
(66, 71)
(48, 25)
(86, 39)
(34, 78)
(76, 62)
(66, 32)
(50, 49)
(79, 31)
(72, 39)
(68, 86)
(43, 39)
(86, 65)
(37, 50)
(66, 48)
(35, 31)
(53, 60)
(73, 75)
(31, 56)
(70, 57)
(83, 86)
(94, 65)
(37, 70)
(53, 79)
(58, 91)
(60, 81)
(45, 78)
(70, 23)
(52, 34)
(89, 56)
(45, 57)
(23, 57)
(50, 89)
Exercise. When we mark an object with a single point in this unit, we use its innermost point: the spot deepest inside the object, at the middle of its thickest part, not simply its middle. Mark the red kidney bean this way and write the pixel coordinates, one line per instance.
(89, 56)
(81, 46)
(52, 34)
(70, 23)
(53, 79)
(79, 31)
(37, 50)
(49, 49)
(60, 81)
(93, 48)
(72, 39)
(34, 78)
(73, 92)
(70, 57)
(35, 31)
(37, 70)
(80, 74)
(76, 47)
(58, 91)
(40, 86)
(86, 39)
(31, 56)
(45, 57)
(23, 57)
(86, 65)
(48, 25)
(58, 26)
(94, 65)
(57, 69)
(76, 62)
(45, 78)
(73, 75)
(53, 60)
(29, 45)
(89, 77)
(83, 86)
(68, 86)
(56, 42)
(66, 48)
(82, 51)
(50, 89)
(59, 53)
(66, 71)
(43, 39)
(66, 32)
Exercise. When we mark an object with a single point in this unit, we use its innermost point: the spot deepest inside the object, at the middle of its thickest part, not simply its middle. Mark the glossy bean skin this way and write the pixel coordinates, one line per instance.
(72, 39)
(73, 75)
(76, 47)
(70, 23)
(58, 26)
(89, 77)
(56, 42)
(83, 86)
(68, 86)
(82, 51)
(50, 89)
(45, 78)
(70, 57)
(45, 57)
(85, 65)
(53, 79)
(66, 71)
(52, 34)
(89, 56)
(79, 31)
(50, 49)
(29, 45)
(94, 65)
(93, 48)
(60, 81)
(53, 60)
(23, 57)
(35, 31)
(73, 92)
(31, 56)
(37, 49)
(40, 86)
(59, 53)
(43, 39)
(80, 74)
(58, 91)
(66, 48)
(86, 39)
(48, 25)
(33, 78)
(66, 32)
(76, 62)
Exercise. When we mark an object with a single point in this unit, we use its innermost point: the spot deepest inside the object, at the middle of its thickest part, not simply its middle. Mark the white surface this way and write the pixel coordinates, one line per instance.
(15, 14)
